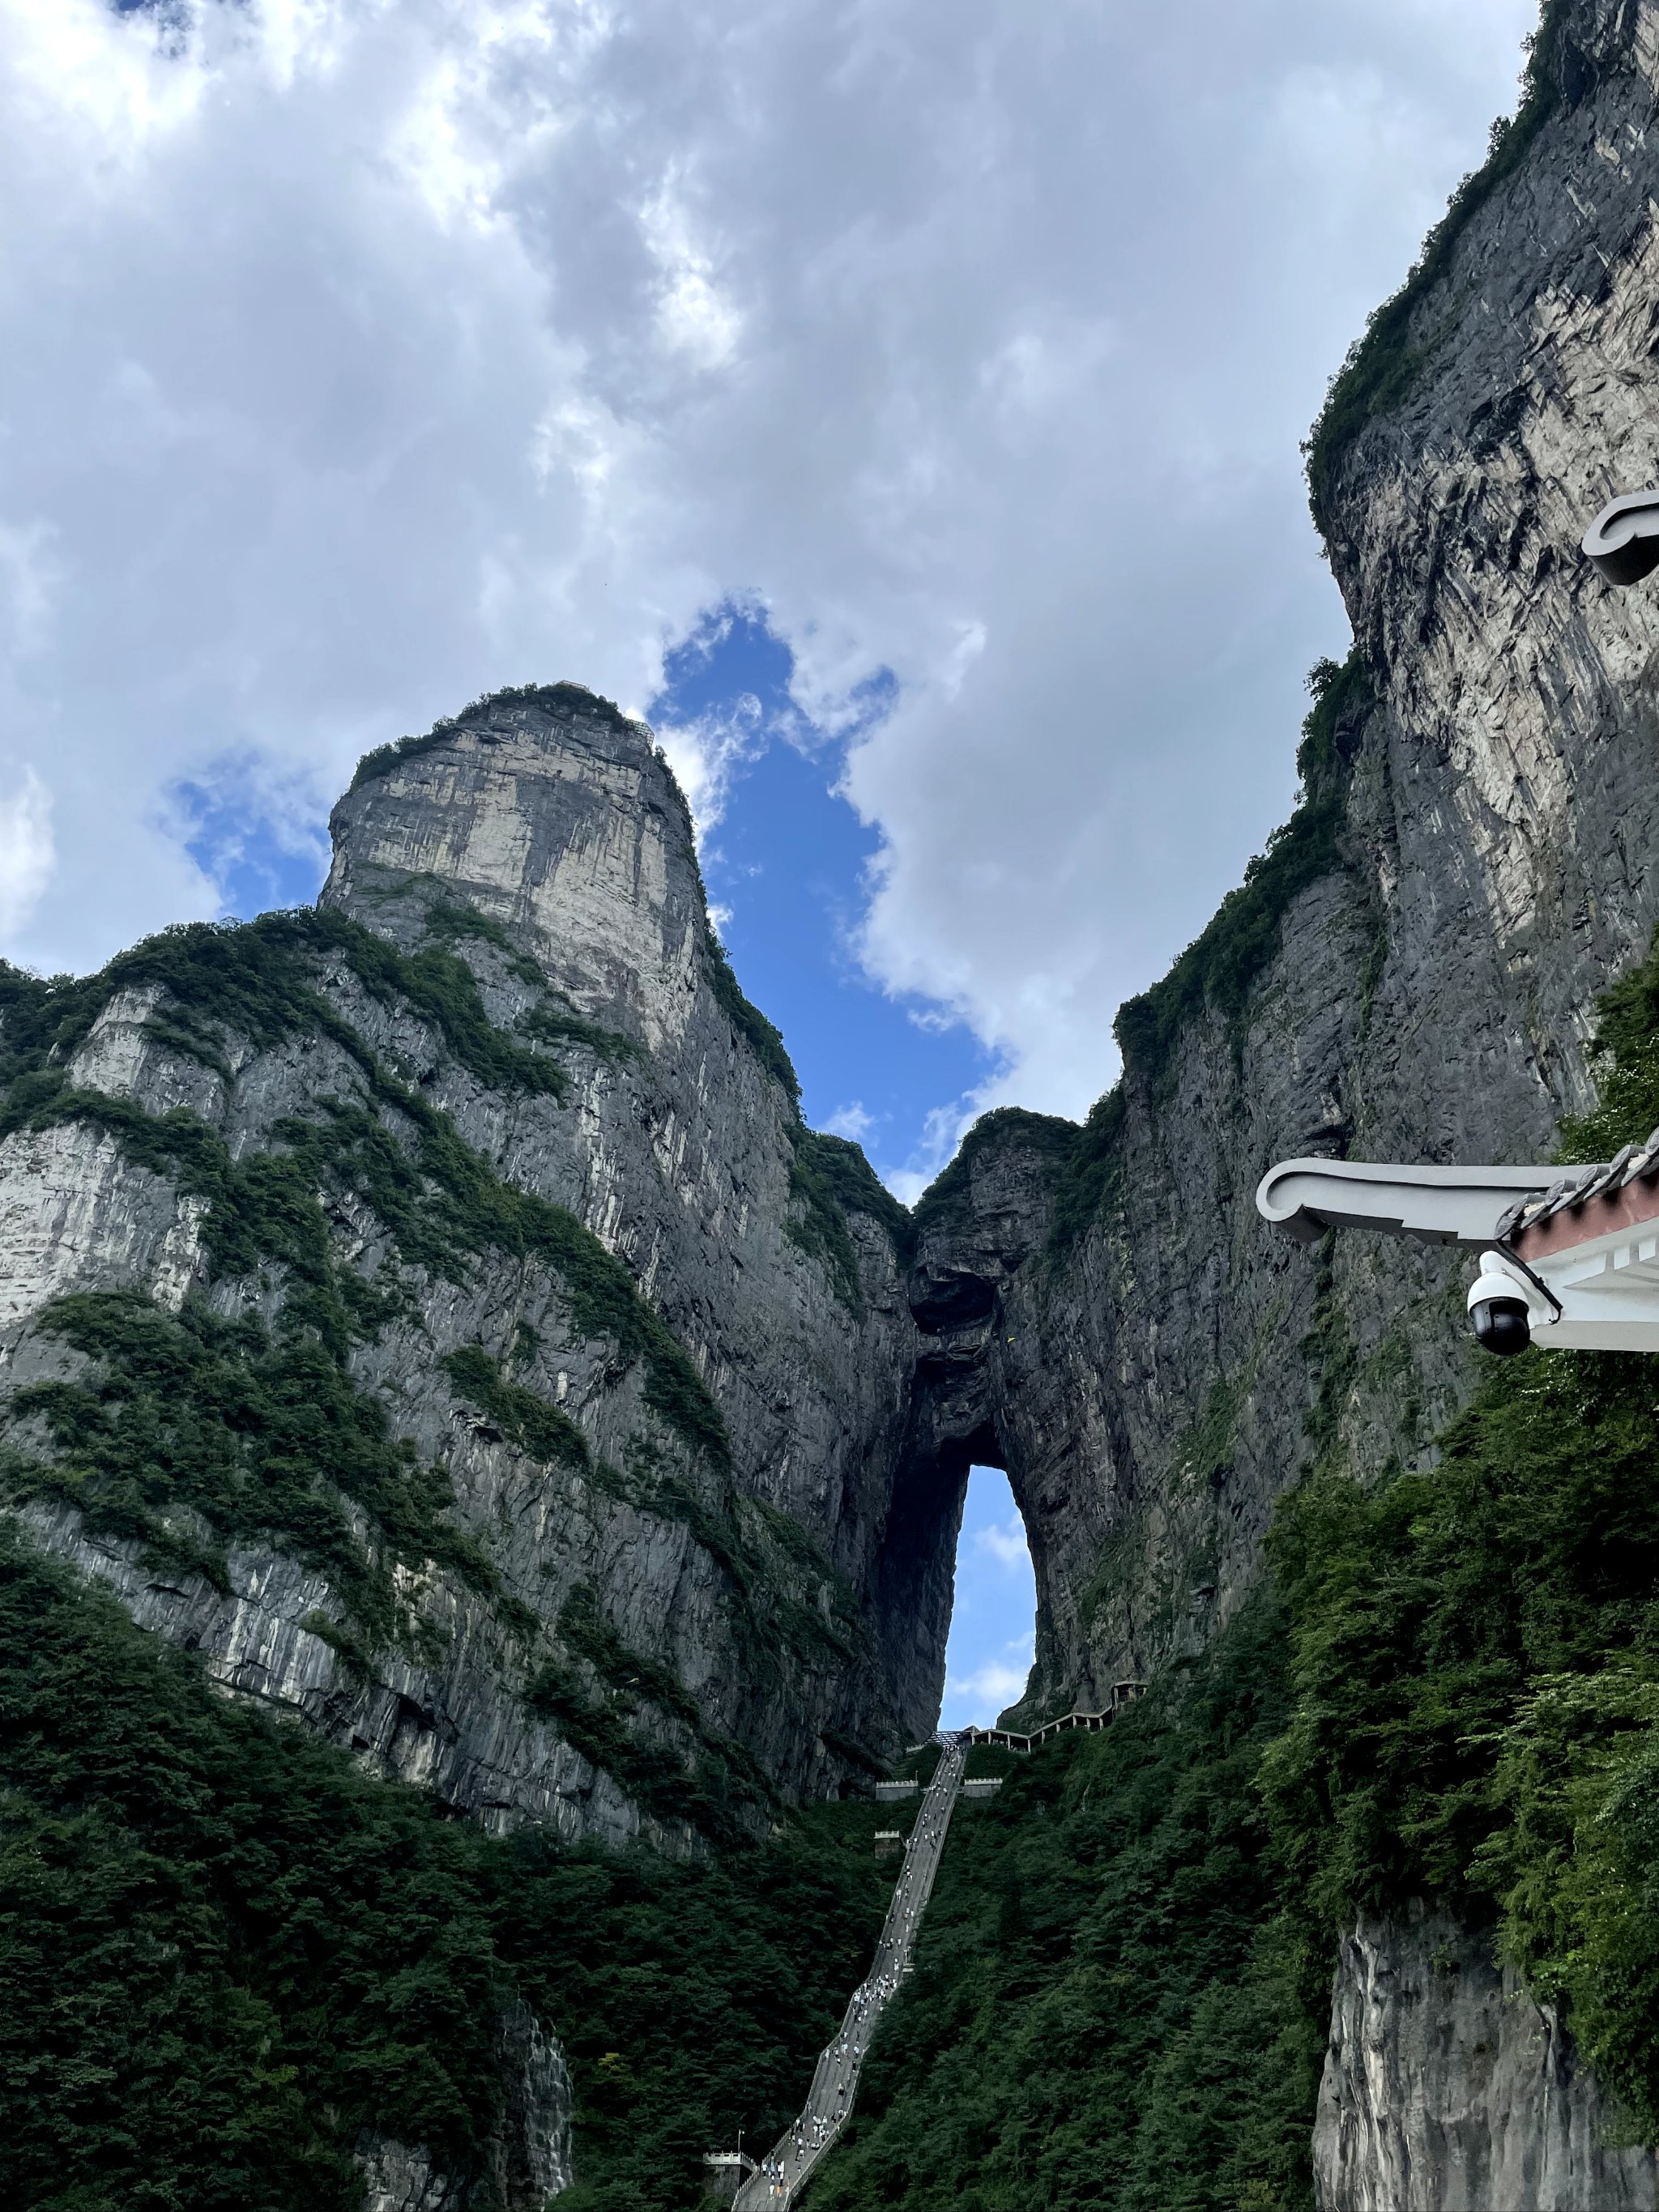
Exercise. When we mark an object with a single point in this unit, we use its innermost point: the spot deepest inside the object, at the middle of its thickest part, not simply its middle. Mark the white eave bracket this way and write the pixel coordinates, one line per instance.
(1434, 1206)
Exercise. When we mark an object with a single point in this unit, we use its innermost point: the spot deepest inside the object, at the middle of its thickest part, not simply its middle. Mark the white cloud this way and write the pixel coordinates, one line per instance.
(29, 581)
(851, 1120)
(26, 853)
(1005, 1542)
(990, 1687)
(363, 358)
(942, 1130)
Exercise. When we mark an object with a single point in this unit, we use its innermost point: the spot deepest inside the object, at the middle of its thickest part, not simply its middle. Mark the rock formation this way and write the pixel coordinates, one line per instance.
(646, 1413)
(647, 1336)
(1447, 2089)
(1409, 975)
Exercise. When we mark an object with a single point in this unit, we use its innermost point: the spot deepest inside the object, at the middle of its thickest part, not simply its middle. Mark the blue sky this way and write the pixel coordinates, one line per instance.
(784, 865)
(787, 865)
(993, 1621)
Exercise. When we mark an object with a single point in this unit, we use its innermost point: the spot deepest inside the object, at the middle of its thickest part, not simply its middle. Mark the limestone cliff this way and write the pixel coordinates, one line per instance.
(1409, 972)
(491, 1158)
(1447, 2089)
(434, 1309)
(754, 1430)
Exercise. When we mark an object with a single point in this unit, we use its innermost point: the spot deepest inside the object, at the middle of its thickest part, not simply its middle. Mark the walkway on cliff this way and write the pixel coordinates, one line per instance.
(780, 2174)
(773, 2184)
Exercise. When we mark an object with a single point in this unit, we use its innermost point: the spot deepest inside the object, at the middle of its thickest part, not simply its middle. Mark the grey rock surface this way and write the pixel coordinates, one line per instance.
(400, 2178)
(529, 2154)
(1447, 2089)
(1154, 1382)
(554, 823)
(531, 2151)
(1103, 1317)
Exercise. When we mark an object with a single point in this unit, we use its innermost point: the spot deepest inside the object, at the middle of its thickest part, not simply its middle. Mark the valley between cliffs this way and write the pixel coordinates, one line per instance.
(431, 1317)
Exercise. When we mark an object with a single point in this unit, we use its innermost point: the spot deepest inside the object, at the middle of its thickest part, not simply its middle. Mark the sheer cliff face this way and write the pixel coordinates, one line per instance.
(1105, 1317)
(511, 1060)
(1482, 825)
(1448, 2089)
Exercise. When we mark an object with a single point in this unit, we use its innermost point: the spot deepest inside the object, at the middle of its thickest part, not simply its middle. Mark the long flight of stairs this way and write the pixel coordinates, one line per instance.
(773, 2184)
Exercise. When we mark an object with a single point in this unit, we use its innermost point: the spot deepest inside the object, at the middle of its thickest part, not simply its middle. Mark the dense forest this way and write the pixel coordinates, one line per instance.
(229, 1952)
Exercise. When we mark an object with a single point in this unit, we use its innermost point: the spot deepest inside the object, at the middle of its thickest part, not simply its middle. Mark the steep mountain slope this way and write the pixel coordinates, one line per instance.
(434, 1309)
(1410, 969)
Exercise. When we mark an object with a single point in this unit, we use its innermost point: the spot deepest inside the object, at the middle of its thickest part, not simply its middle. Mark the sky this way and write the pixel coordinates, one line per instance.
(993, 1619)
(898, 401)
(931, 372)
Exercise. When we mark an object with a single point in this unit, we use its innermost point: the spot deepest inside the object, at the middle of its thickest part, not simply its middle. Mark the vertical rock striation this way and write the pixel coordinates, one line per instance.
(632, 1420)
(646, 1336)
(1447, 2089)
(1410, 973)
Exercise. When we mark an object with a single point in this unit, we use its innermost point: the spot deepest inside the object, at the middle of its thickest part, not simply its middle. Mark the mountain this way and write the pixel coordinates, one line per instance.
(432, 1310)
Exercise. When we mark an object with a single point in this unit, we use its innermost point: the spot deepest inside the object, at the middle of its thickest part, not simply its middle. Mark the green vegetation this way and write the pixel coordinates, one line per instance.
(195, 1433)
(555, 698)
(595, 1704)
(1215, 976)
(447, 920)
(257, 980)
(831, 1178)
(227, 1952)
(1112, 2007)
(762, 1037)
(442, 989)
(523, 1417)
(1219, 968)
(1125, 1975)
(1091, 1177)
(442, 1208)
(1384, 365)
(1477, 1660)
(828, 1175)
(1047, 1133)
(442, 1203)
(550, 1024)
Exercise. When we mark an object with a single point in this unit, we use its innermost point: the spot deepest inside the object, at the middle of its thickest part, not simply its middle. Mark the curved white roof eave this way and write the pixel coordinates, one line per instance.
(1434, 1205)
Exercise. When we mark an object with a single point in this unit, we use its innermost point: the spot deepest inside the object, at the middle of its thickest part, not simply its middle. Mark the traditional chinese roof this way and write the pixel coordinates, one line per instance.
(1615, 1194)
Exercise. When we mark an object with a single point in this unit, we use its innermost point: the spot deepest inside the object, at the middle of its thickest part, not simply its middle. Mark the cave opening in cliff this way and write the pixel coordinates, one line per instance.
(989, 1654)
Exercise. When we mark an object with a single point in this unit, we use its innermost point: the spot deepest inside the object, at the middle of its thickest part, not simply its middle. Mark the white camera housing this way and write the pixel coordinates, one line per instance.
(1569, 1261)
(1505, 1306)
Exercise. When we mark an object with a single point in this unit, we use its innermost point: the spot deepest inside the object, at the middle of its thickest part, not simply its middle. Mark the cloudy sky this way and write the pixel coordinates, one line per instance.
(993, 1619)
(899, 398)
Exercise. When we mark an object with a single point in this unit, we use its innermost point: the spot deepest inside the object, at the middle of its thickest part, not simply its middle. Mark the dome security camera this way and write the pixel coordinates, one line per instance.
(1502, 1307)
(1622, 543)
(1502, 1326)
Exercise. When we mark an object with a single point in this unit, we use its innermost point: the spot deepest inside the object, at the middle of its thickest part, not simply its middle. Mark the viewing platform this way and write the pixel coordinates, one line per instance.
(1123, 1693)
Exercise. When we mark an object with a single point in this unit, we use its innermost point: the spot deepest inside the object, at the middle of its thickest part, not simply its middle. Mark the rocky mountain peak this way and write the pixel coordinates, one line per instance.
(551, 812)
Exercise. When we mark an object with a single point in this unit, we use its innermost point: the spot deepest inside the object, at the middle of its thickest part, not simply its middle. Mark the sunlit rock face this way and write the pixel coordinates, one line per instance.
(1113, 1324)
(1107, 1320)
(541, 843)
(529, 2150)
(562, 825)
(1488, 861)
